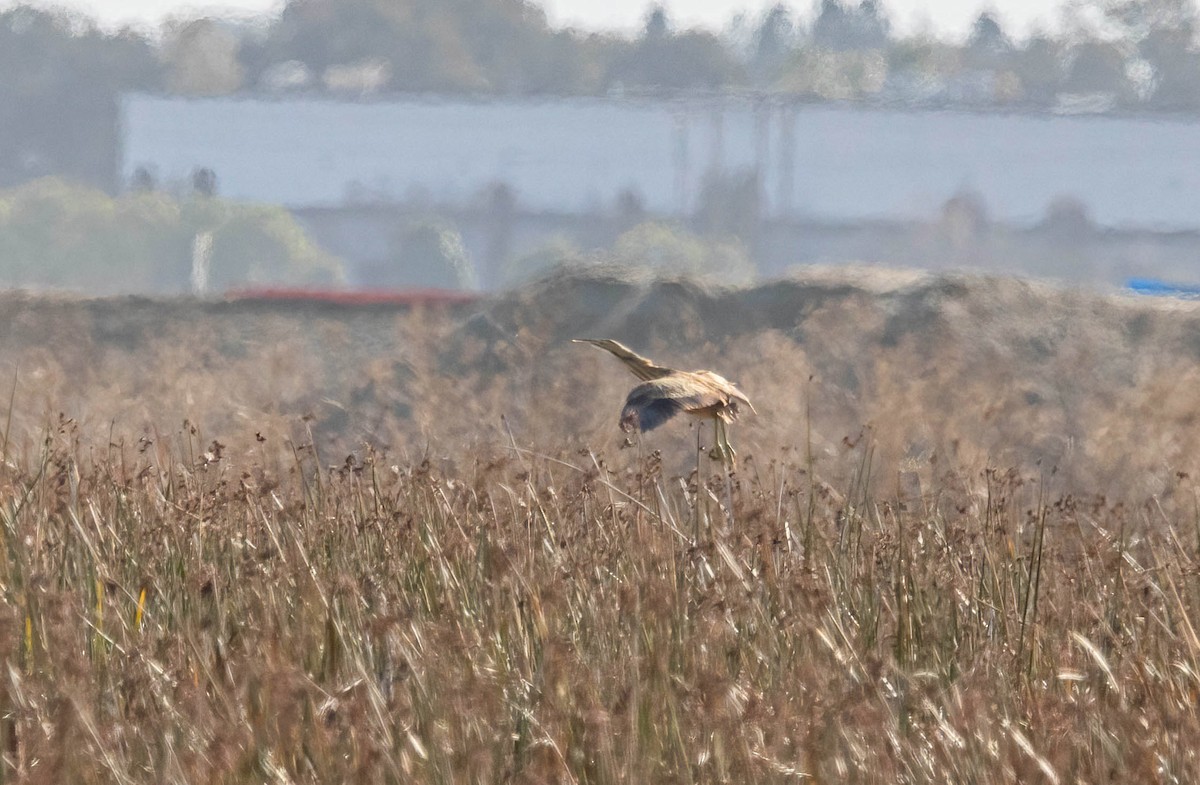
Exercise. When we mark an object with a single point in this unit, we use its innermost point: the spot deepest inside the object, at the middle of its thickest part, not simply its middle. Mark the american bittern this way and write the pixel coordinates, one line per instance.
(665, 392)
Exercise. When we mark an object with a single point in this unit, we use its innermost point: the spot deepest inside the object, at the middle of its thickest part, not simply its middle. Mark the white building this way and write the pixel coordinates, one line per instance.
(573, 155)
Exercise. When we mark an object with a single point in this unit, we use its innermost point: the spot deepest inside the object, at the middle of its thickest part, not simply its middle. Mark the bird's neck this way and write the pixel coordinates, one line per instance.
(639, 366)
(644, 369)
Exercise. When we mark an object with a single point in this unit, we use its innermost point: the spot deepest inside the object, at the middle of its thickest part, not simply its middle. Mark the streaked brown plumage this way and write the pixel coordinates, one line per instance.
(665, 392)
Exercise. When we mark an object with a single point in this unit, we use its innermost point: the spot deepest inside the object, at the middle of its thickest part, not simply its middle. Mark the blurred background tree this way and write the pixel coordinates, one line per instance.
(671, 250)
(664, 59)
(201, 58)
(59, 81)
(477, 45)
(1040, 67)
(556, 253)
(988, 46)
(60, 235)
(839, 27)
(427, 253)
(774, 41)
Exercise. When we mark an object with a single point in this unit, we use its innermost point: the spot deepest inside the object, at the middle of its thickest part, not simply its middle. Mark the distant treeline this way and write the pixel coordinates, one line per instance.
(60, 75)
(59, 235)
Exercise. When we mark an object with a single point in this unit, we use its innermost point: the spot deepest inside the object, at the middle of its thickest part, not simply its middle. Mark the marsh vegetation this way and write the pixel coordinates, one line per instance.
(248, 545)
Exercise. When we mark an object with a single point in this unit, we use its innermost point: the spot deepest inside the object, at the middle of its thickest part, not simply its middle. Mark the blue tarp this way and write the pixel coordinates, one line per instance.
(1153, 286)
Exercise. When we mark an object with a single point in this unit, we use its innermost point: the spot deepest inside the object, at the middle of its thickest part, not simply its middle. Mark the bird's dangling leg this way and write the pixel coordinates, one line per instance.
(726, 447)
(722, 450)
(717, 453)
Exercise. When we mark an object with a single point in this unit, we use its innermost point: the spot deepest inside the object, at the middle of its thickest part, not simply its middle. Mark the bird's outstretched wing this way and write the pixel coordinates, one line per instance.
(652, 403)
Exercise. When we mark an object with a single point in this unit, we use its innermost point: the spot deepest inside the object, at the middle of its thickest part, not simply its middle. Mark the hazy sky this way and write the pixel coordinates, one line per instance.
(946, 16)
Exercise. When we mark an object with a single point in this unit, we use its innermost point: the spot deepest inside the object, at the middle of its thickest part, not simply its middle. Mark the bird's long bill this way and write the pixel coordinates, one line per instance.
(607, 344)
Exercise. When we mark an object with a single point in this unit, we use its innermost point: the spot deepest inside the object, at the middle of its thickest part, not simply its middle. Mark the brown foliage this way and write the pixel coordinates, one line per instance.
(256, 546)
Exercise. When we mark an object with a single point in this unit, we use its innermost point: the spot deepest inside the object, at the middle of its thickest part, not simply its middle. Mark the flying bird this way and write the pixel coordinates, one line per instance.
(665, 392)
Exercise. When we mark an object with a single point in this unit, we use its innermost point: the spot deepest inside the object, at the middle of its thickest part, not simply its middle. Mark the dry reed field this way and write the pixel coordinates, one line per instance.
(252, 544)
